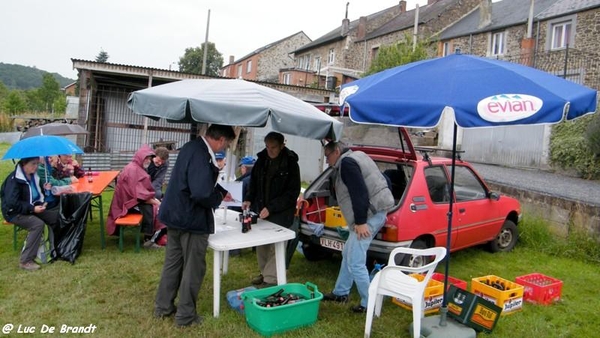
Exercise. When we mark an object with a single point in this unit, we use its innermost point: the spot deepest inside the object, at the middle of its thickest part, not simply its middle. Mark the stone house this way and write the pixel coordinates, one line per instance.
(264, 63)
(346, 52)
(558, 36)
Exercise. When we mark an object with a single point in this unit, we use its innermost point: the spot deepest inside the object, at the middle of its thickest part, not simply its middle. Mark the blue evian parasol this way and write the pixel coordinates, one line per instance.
(475, 91)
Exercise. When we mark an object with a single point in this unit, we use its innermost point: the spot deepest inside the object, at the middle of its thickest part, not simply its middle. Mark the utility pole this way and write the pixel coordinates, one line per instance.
(206, 45)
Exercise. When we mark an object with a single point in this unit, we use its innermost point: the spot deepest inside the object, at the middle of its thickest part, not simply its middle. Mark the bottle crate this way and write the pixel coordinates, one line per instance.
(504, 293)
(540, 289)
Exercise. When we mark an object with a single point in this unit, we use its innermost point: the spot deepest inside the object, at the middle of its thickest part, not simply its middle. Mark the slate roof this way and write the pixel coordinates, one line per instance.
(566, 7)
(336, 34)
(505, 13)
(407, 19)
(267, 46)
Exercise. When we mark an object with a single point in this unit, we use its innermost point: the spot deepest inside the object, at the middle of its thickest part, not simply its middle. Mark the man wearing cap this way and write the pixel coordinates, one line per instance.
(220, 162)
(246, 165)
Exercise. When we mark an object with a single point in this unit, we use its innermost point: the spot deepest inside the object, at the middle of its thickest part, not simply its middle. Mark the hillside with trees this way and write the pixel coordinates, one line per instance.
(25, 78)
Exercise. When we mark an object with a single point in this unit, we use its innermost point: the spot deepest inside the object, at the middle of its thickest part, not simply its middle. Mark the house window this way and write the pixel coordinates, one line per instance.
(561, 34)
(374, 52)
(497, 44)
(331, 57)
(249, 66)
(239, 71)
(304, 62)
(317, 63)
(446, 48)
(287, 78)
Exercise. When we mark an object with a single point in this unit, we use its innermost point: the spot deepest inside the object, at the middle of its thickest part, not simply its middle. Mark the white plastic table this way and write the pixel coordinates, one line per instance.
(228, 236)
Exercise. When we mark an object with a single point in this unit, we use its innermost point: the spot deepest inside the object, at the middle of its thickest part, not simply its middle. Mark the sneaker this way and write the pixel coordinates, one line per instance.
(331, 297)
(359, 309)
(29, 266)
(151, 245)
(258, 280)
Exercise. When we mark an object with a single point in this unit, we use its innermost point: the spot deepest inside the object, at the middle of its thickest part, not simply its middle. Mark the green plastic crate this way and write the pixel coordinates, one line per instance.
(269, 321)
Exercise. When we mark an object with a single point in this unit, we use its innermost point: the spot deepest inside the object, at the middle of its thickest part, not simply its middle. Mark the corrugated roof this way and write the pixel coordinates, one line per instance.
(336, 34)
(407, 19)
(564, 7)
(504, 14)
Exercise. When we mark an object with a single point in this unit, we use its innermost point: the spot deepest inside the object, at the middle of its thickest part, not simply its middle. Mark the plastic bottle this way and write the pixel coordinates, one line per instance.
(375, 270)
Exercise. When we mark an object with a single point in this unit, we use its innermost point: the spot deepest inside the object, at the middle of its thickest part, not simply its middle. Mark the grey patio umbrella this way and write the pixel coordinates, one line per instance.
(55, 128)
(236, 103)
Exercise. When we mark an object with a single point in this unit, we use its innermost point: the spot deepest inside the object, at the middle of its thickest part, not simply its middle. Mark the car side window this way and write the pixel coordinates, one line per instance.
(466, 185)
(437, 183)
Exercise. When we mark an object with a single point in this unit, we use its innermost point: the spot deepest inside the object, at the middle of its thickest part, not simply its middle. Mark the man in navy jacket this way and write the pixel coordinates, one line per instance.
(187, 211)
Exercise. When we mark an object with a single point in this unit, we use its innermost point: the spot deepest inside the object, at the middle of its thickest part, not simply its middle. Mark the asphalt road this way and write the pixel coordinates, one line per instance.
(544, 182)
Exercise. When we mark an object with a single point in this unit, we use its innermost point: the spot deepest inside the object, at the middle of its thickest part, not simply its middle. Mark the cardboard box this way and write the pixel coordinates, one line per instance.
(472, 310)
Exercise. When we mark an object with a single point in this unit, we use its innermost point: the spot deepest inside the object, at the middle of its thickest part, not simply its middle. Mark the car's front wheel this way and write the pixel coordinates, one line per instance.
(506, 238)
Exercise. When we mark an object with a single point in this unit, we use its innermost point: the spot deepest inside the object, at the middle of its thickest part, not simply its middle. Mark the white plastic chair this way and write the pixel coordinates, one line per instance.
(394, 281)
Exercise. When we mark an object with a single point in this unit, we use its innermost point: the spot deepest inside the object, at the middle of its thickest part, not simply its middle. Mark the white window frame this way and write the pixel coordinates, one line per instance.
(286, 78)
(240, 68)
(498, 43)
(561, 34)
(248, 66)
(567, 36)
(331, 56)
(445, 48)
(317, 63)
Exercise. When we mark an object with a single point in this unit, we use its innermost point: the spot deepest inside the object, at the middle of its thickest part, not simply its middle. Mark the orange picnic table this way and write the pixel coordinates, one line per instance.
(100, 181)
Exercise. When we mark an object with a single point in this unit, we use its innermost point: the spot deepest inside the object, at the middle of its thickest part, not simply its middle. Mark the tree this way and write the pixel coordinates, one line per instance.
(102, 56)
(49, 91)
(191, 61)
(14, 103)
(399, 54)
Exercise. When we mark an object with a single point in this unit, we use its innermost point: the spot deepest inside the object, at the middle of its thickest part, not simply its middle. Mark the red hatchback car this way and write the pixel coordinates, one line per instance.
(420, 186)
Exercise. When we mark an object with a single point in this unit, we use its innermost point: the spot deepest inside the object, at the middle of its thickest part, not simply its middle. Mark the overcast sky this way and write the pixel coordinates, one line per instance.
(151, 33)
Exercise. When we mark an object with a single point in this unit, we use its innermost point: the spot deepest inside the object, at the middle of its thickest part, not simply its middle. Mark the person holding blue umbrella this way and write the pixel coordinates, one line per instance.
(23, 205)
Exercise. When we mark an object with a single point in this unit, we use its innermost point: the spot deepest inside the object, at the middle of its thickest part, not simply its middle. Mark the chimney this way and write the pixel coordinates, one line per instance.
(345, 23)
(361, 31)
(485, 13)
(345, 27)
(402, 5)
(231, 59)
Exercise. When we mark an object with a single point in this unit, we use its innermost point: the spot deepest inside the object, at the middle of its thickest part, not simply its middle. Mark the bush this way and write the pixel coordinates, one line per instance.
(6, 123)
(592, 135)
(569, 148)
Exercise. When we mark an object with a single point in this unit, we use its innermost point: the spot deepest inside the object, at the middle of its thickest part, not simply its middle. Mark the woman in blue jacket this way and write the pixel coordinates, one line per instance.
(23, 205)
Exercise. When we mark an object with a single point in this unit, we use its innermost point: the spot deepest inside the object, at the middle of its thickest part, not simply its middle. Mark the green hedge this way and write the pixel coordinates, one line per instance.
(572, 143)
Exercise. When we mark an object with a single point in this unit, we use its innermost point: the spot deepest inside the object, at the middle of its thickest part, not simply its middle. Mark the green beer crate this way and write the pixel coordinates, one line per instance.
(271, 320)
(472, 310)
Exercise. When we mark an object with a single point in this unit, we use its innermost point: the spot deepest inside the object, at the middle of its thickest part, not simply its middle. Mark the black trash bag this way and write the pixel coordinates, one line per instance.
(72, 223)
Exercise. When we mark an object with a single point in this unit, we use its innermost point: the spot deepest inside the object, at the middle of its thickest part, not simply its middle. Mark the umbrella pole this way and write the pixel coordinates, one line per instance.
(440, 326)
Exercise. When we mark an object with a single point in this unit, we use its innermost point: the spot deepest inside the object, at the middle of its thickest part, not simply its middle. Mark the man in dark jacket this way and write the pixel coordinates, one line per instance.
(187, 211)
(272, 194)
(158, 170)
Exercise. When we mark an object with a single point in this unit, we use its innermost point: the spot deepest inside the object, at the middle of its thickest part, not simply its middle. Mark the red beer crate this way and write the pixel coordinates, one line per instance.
(540, 289)
(504, 293)
(459, 283)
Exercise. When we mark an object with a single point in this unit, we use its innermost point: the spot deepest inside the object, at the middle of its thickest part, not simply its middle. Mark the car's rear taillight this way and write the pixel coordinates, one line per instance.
(388, 233)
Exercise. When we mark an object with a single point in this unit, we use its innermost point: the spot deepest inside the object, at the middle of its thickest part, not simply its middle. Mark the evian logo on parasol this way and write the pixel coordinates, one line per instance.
(508, 107)
(347, 92)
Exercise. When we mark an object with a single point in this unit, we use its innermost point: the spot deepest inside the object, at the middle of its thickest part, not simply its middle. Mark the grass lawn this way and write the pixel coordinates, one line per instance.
(115, 291)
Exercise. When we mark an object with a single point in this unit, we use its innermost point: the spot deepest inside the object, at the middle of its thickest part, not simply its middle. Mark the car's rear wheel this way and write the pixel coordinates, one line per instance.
(416, 261)
(506, 239)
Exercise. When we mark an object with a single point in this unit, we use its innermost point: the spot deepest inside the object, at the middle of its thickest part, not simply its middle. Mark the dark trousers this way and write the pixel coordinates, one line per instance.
(183, 271)
(147, 211)
(34, 224)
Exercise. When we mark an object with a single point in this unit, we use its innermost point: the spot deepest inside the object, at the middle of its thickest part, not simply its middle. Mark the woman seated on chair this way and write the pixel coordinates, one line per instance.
(48, 173)
(23, 205)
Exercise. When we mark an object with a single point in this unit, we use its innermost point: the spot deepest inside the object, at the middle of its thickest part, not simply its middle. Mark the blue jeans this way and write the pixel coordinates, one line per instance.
(354, 260)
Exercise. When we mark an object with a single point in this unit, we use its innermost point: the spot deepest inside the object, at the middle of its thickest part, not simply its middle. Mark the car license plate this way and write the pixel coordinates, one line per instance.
(332, 244)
